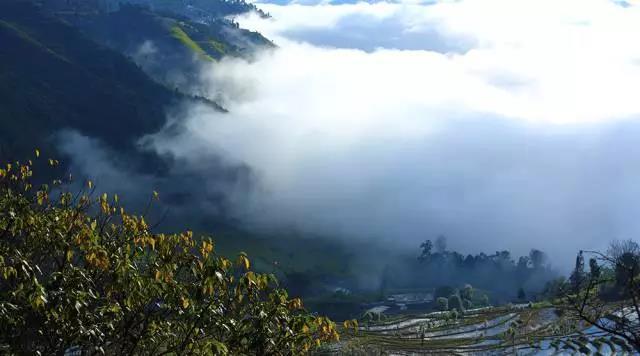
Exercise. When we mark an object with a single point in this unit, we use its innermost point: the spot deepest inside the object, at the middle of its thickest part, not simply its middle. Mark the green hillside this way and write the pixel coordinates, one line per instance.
(166, 45)
(54, 77)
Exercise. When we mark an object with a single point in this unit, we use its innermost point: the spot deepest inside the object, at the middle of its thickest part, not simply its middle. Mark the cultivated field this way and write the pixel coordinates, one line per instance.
(527, 329)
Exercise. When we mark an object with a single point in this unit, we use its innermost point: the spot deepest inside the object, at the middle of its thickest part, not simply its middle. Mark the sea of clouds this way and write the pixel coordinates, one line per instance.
(503, 124)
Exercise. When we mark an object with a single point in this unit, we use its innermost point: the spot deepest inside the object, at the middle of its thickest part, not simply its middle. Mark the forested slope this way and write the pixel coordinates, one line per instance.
(53, 77)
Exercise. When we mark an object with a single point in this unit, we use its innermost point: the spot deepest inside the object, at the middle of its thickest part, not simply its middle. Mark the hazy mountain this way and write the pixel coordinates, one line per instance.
(110, 71)
(167, 45)
(168, 39)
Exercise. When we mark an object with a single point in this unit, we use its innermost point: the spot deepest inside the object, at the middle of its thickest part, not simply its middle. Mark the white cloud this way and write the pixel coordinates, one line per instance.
(520, 135)
(579, 60)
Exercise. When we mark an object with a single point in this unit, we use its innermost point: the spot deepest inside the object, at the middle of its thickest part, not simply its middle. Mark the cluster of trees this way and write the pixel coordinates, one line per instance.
(79, 273)
(448, 298)
(499, 272)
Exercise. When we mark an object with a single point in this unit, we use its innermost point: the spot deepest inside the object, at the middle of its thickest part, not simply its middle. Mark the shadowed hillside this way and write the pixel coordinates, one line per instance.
(53, 77)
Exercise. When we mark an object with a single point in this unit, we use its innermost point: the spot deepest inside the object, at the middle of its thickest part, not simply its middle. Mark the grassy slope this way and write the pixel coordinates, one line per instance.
(307, 267)
(178, 33)
(290, 253)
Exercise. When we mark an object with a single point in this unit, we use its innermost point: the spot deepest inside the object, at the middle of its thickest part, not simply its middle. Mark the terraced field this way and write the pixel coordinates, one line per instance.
(518, 329)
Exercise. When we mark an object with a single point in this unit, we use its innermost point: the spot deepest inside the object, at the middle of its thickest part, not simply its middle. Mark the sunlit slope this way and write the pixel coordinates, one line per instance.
(168, 46)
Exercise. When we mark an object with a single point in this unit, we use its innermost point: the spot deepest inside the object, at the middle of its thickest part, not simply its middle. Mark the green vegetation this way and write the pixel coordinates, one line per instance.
(181, 36)
(301, 262)
(217, 46)
(437, 266)
(171, 39)
(443, 303)
(594, 312)
(455, 303)
(10, 27)
(80, 273)
(308, 267)
(53, 77)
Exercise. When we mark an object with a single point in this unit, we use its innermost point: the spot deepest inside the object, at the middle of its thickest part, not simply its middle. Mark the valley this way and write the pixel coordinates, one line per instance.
(229, 177)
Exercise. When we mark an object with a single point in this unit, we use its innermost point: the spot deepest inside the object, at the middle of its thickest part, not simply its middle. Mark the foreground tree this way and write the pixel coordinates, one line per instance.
(78, 273)
(611, 301)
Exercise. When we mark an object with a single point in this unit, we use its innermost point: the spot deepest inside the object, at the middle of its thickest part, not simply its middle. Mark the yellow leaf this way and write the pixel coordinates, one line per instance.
(39, 301)
(295, 303)
(206, 248)
(226, 263)
(90, 184)
(37, 153)
(244, 261)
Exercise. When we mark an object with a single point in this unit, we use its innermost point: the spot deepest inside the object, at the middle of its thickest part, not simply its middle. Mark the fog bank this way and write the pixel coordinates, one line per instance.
(523, 138)
(501, 124)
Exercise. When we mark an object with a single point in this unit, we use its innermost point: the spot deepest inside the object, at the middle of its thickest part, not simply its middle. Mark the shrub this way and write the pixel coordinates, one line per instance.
(443, 303)
(467, 292)
(80, 273)
(455, 302)
(484, 300)
(454, 314)
(467, 304)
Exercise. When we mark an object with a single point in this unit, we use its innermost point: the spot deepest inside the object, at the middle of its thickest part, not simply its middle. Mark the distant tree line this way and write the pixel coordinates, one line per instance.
(506, 278)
